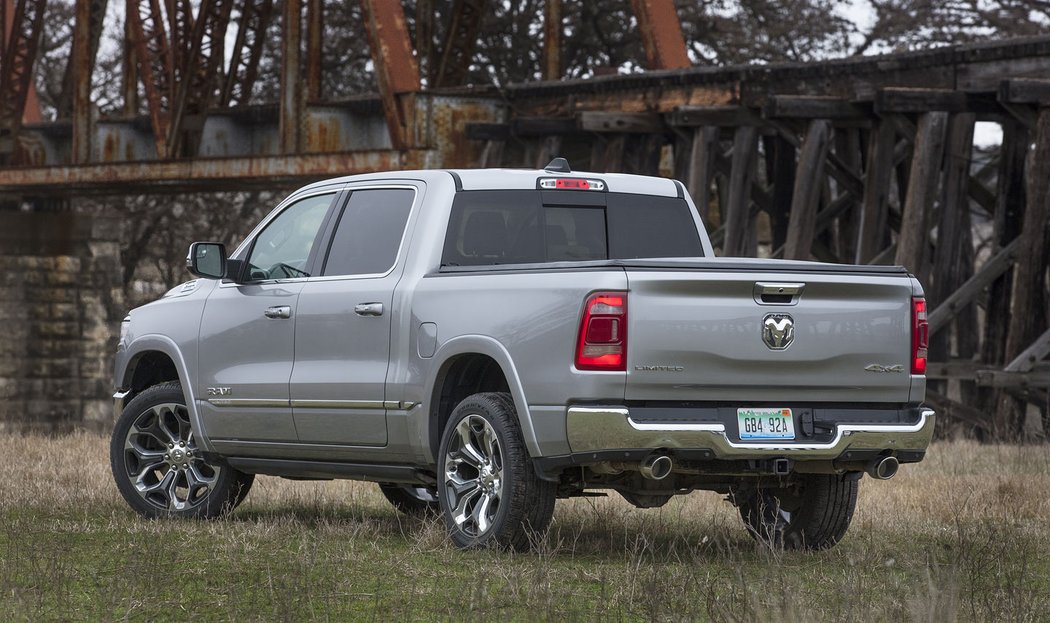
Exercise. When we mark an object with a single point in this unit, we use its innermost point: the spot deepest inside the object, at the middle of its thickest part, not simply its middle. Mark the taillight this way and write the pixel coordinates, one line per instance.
(920, 336)
(602, 343)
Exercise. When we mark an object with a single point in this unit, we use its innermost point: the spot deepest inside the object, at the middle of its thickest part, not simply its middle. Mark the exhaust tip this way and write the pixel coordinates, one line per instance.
(656, 467)
(883, 468)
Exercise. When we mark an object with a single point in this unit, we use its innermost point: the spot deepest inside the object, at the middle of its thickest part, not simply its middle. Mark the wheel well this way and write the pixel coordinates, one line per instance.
(460, 377)
(151, 368)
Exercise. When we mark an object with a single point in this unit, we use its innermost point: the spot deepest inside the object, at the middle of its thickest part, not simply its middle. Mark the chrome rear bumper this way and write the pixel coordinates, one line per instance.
(596, 429)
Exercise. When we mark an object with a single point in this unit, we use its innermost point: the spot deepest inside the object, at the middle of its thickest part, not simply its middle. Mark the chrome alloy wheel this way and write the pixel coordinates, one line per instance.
(474, 475)
(162, 462)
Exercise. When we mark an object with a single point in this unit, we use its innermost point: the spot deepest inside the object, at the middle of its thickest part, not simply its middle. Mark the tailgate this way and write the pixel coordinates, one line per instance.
(698, 334)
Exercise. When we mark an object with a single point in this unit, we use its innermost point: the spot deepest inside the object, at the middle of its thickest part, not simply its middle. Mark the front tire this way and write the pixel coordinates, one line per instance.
(158, 467)
(488, 491)
(813, 513)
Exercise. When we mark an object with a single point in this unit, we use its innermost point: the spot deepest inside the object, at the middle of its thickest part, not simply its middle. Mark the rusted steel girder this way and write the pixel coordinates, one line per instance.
(314, 33)
(149, 44)
(180, 30)
(552, 24)
(661, 32)
(87, 22)
(460, 40)
(200, 74)
(291, 62)
(199, 174)
(16, 68)
(247, 50)
(87, 27)
(397, 71)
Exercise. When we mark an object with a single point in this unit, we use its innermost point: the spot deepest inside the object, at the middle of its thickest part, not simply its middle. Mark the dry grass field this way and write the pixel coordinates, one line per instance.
(962, 536)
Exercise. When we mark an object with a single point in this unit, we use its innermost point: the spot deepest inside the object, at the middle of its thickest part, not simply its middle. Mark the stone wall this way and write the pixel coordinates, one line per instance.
(60, 302)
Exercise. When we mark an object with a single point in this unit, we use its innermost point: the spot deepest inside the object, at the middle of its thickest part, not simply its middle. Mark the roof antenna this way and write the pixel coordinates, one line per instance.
(558, 165)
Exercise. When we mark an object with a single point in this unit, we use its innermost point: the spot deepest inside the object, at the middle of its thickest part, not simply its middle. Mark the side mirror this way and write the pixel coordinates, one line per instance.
(207, 259)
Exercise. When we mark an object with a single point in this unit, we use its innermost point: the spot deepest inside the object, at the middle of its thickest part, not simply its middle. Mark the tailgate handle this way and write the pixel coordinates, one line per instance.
(773, 293)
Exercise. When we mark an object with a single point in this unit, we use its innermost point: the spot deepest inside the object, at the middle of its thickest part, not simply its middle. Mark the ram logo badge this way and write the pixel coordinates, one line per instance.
(778, 331)
(219, 391)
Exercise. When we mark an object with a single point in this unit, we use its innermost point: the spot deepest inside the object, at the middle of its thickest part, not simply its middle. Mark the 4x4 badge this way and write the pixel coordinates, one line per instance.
(778, 331)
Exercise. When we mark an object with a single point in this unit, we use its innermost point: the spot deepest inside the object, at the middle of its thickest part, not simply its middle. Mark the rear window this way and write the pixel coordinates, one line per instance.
(519, 227)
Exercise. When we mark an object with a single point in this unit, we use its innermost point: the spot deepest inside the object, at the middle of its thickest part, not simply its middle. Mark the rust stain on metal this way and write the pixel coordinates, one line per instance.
(187, 175)
(149, 43)
(16, 67)
(397, 72)
(661, 32)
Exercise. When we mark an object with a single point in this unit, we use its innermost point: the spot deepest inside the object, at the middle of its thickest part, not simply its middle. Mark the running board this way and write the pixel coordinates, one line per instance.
(322, 470)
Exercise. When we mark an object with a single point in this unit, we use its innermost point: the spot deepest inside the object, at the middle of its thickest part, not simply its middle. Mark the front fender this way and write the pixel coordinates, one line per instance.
(482, 345)
(163, 344)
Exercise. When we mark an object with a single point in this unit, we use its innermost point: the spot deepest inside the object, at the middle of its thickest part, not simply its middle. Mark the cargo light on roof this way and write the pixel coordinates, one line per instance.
(570, 183)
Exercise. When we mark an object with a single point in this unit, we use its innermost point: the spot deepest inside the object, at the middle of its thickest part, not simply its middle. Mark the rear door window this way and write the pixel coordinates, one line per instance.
(369, 232)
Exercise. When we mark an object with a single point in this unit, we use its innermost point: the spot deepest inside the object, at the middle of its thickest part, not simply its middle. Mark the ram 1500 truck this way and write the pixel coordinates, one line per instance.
(483, 342)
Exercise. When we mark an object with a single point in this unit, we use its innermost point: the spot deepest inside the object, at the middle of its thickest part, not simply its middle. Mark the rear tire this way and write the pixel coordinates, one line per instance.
(488, 490)
(412, 500)
(814, 513)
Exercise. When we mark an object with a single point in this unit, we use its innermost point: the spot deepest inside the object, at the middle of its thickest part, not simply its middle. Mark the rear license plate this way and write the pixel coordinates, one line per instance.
(762, 423)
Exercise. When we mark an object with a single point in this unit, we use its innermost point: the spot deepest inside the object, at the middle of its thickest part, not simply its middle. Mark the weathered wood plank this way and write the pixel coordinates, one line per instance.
(813, 107)
(1025, 91)
(967, 292)
(808, 182)
(950, 409)
(922, 190)
(737, 213)
(1030, 356)
(910, 100)
(719, 116)
(1001, 378)
(703, 154)
(637, 122)
(870, 238)
(1028, 313)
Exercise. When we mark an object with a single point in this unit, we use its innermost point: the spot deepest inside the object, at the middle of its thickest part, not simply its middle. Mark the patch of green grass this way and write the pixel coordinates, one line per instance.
(961, 536)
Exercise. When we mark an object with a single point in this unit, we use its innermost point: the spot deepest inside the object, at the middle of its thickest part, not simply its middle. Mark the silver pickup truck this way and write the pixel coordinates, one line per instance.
(483, 342)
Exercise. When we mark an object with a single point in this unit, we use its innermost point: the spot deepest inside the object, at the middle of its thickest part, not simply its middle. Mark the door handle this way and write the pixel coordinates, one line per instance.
(280, 311)
(368, 309)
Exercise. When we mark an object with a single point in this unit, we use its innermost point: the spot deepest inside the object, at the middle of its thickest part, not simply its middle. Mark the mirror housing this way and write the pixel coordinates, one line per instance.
(207, 260)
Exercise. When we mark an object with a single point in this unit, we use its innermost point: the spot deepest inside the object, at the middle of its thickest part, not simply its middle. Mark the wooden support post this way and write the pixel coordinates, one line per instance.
(1006, 227)
(808, 183)
(291, 89)
(848, 150)
(780, 155)
(922, 189)
(737, 212)
(872, 234)
(1028, 317)
(703, 153)
(954, 255)
(994, 268)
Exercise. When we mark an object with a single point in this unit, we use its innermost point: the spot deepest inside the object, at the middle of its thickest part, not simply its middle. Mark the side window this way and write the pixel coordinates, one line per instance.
(282, 250)
(369, 232)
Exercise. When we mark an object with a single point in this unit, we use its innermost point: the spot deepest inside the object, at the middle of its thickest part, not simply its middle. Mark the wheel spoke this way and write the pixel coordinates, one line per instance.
(460, 514)
(142, 453)
(467, 450)
(174, 503)
(491, 445)
(480, 516)
(195, 473)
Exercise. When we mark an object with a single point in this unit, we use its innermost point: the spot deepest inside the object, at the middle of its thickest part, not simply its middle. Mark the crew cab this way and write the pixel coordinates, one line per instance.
(483, 342)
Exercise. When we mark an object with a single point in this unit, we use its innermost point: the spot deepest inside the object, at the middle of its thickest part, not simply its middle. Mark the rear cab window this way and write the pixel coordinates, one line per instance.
(489, 227)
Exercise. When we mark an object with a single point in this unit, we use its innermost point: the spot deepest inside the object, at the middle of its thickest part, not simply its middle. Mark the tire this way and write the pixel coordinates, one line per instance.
(157, 466)
(410, 500)
(813, 514)
(488, 491)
